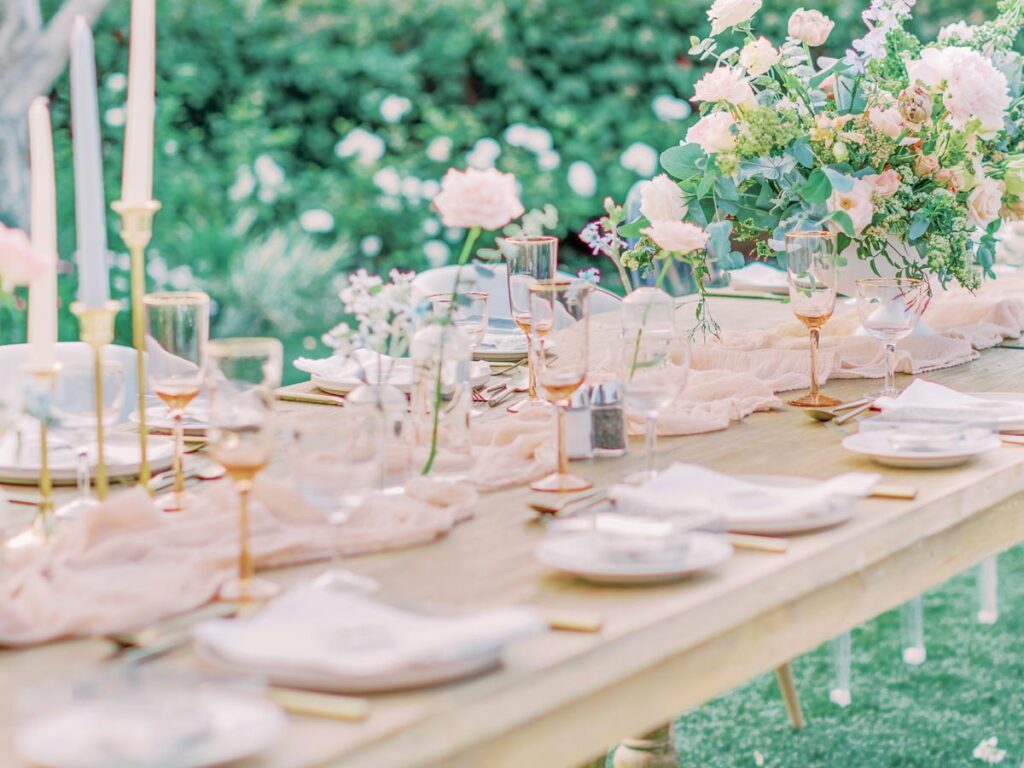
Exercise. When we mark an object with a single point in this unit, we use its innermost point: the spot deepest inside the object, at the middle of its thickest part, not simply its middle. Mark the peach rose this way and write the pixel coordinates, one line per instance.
(759, 56)
(811, 27)
(20, 263)
(984, 202)
(677, 236)
(926, 165)
(487, 199)
(887, 121)
(885, 184)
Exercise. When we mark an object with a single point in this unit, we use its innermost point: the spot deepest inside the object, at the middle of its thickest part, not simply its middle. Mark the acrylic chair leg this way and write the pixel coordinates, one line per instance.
(790, 697)
(988, 591)
(912, 615)
(842, 650)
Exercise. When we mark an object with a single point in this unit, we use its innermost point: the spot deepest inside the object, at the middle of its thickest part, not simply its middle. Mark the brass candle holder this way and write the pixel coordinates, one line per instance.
(96, 328)
(39, 407)
(136, 232)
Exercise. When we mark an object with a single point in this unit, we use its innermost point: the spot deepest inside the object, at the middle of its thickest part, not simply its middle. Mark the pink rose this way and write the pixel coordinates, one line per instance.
(856, 203)
(926, 165)
(885, 184)
(984, 202)
(811, 27)
(713, 133)
(887, 121)
(952, 178)
(725, 84)
(487, 199)
(662, 200)
(677, 236)
(20, 263)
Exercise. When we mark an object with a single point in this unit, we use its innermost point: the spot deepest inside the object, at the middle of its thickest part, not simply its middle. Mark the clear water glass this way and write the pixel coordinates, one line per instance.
(889, 309)
(469, 312)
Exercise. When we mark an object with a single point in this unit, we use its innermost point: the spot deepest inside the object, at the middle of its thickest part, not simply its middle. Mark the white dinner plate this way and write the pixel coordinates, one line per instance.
(504, 342)
(332, 682)
(479, 374)
(82, 735)
(838, 511)
(122, 455)
(1010, 424)
(876, 446)
(578, 554)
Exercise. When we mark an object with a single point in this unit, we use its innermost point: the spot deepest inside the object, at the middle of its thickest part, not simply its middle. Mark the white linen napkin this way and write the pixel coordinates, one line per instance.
(346, 633)
(925, 395)
(689, 489)
(758, 276)
(362, 363)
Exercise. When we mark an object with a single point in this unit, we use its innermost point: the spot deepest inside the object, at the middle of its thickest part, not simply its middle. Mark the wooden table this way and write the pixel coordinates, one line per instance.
(563, 698)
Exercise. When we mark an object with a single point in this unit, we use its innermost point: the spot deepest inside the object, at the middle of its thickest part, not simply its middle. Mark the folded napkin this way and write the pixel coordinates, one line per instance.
(759, 276)
(928, 399)
(361, 365)
(341, 632)
(503, 341)
(126, 564)
(691, 489)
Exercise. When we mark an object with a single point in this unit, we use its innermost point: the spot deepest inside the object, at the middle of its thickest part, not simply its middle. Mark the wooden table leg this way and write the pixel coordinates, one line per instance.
(787, 687)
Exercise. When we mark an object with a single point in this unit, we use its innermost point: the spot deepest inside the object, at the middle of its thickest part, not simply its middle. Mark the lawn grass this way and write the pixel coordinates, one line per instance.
(970, 688)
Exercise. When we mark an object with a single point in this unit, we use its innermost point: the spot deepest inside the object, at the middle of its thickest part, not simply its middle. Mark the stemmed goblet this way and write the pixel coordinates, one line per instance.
(813, 268)
(468, 311)
(529, 259)
(242, 374)
(889, 308)
(653, 366)
(73, 410)
(563, 305)
(177, 332)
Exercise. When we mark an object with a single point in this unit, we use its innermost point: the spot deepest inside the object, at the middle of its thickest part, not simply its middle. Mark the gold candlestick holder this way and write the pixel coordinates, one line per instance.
(42, 394)
(96, 328)
(136, 232)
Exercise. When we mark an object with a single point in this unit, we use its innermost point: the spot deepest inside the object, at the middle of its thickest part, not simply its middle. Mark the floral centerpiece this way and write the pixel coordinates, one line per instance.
(910, 151)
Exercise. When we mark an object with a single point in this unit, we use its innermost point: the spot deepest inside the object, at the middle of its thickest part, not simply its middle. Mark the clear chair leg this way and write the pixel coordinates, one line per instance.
(912, 621)
(842, 651)
(988, 591)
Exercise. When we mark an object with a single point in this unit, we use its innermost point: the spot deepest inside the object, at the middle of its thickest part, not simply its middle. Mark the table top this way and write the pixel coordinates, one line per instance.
(489, 561)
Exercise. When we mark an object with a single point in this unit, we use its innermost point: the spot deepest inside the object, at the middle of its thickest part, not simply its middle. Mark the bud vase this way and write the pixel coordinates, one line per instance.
(441, 402)
(385, 405)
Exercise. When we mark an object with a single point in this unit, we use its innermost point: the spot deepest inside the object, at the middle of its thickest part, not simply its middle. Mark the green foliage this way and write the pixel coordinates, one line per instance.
(255, 96)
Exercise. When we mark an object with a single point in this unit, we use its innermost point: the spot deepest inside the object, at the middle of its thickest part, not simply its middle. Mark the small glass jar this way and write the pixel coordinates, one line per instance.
(608, 418)
(386, 406)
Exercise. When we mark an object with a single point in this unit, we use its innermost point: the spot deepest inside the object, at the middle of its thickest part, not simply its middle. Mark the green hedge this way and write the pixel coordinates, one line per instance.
(254, 98)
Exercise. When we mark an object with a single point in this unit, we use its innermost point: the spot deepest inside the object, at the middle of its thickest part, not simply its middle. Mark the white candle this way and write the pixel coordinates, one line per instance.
(137, 174)
(90, 204)
(42, 295)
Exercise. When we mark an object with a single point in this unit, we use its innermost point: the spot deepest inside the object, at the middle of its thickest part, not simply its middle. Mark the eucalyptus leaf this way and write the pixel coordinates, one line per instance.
(918, 226)
(631, 230)
(840, 182)
(684, 162)
(842, 218)
(818, 187)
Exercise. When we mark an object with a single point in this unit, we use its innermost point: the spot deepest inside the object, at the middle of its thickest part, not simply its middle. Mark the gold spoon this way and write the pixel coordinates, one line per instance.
(827, 414)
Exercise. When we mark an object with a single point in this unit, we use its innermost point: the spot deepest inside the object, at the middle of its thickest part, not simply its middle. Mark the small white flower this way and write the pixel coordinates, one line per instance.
(758, 759)
(245, 184)
(269, 173)
(180, 278)
(366, 147)
(431, 227)
(412, 188)
(120, 283)
(669, 108)
(440, 149)
(484, 154)
(393, 108)
(370, 245)
(535, 139)
(316, 220)
(388, 181)
(170, 147)
(582, 179)
(451, 234)
(988, 751)
(437, 252)
(640, 158)
(430, 188)
(548, 161)
(267, 195)
(116, 82)
(114, 117)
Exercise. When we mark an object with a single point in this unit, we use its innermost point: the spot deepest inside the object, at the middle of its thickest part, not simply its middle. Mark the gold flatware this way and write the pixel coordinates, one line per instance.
(759, 543)
(168, 627)
(310, 398)
(544, 508)
(852, 414)
(330, 705)
(1012, 439)
(827, 414)
(904, 492)
(572, 621)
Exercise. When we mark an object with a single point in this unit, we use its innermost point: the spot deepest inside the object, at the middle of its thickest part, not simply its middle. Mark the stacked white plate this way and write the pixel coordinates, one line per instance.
(504, 342)
(21, 466)
(877, 446)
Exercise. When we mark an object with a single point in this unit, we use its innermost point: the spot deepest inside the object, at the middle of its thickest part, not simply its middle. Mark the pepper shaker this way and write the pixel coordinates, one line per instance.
(608, 415)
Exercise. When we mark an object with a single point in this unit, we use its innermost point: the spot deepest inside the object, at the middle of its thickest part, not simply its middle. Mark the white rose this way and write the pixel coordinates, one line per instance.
(984, 202)
(856, 203)
(713, 133)
(811, 27)
(725, 14)
(725, 84)
(662, 200)
(488, 199)
(887, 121)
(758, 56)
(677, 236)
(972, 87)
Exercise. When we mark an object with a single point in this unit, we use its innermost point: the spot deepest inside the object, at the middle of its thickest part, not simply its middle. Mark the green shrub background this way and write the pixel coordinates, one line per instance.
(247, 86)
